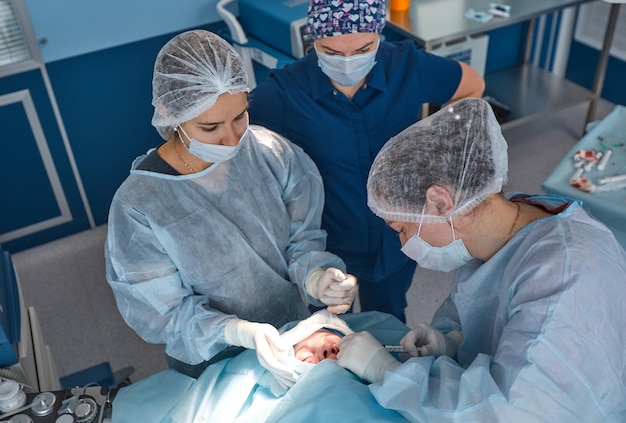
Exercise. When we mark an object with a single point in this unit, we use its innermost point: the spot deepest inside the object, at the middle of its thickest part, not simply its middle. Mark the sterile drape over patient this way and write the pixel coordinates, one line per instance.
(239, 390)
(225, 227)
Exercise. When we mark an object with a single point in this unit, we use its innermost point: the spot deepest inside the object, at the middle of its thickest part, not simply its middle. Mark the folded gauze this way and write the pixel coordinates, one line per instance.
(322, 319)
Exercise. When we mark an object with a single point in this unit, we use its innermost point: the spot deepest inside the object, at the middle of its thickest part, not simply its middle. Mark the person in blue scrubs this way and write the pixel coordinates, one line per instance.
(533, 329)
(341, 103)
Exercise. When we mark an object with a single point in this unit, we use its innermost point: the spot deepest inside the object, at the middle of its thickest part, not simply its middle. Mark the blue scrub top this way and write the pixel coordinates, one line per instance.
(343, 136)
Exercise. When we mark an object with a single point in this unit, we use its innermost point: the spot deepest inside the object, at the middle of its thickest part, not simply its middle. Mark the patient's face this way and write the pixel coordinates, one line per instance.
(317, 347)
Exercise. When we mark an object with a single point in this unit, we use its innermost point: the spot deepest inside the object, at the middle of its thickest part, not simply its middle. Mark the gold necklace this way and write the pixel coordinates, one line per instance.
(510, 234)
(182, 160)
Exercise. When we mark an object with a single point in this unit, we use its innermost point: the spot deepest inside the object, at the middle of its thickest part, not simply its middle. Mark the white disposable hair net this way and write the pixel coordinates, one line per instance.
(460, 148)
(190, 72)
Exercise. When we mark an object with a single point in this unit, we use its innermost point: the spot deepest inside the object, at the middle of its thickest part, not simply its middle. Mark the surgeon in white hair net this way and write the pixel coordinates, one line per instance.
(533, 328)
(214, 238)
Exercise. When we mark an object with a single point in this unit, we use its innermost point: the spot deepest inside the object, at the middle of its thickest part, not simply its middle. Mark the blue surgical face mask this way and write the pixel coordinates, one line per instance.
(212, 153)
(443, 259)
(347, 71)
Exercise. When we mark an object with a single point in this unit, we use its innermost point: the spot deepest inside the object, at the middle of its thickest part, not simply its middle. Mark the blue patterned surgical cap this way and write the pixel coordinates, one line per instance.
(327, 18)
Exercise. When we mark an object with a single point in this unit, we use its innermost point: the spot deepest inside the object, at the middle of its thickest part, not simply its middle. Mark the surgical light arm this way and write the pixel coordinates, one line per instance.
(238, 35)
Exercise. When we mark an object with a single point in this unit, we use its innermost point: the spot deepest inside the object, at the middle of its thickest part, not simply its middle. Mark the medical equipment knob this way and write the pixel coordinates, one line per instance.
(86, 410)
(43, 404)
(21, 418)
(65, 418)
(11, 396)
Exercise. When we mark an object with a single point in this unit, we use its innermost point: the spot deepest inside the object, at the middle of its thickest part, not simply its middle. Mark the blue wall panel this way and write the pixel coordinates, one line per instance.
(28, 183)
(581, 69)
(24, 193)
(506, 47)
(105, 99)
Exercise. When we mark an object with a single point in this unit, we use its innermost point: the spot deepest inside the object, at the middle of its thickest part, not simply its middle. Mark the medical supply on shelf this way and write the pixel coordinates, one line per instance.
(585, 161)
(583, 184)
(577, 174)
(613, 186)
(605, 159)
(400, 5)
(498, 9)
(611, 179)
(607, 203)
(478, 15)
(587, 158)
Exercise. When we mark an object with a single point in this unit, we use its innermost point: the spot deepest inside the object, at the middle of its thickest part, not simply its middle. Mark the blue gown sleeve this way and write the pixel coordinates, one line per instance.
(542, 322)
(149, 292)
(304, 200)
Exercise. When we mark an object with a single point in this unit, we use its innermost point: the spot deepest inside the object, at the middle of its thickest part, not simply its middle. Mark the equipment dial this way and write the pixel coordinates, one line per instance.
(86, 410)
(43, 404)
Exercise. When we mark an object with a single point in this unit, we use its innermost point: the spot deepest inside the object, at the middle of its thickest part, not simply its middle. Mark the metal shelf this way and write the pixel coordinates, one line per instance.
(531, 92)
(527, 90)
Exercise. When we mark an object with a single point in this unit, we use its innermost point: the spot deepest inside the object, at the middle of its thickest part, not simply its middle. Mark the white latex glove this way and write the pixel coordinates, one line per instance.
(432, 341)
(271, 350)
(364, 356)
(332, 287)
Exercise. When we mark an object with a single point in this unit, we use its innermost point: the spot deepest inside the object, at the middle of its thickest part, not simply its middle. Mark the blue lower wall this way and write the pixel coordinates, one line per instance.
(581, 69)
(104, 99)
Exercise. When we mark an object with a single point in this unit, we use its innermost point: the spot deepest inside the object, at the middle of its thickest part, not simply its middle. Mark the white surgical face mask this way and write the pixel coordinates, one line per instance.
(212, 153)
(346, 71)
(443, 259)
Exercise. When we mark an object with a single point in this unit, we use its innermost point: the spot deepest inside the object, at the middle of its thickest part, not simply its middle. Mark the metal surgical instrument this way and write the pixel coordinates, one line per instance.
(398, 348)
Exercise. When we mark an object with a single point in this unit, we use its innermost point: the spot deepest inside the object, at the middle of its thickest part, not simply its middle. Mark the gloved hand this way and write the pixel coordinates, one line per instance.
(270, 348)
(364, 356)
(332, 287)
(431, 341)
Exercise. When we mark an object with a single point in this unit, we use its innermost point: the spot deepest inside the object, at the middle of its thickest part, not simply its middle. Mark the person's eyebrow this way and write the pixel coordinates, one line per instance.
(216, 123)
(364, 46)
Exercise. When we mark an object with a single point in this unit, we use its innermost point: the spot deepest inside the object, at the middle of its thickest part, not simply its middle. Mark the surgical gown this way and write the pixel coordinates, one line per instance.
(187, 253)
(543, 322)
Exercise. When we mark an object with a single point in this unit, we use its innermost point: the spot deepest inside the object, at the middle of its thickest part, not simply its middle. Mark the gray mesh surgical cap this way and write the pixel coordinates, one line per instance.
(190, 72)
(460, 148)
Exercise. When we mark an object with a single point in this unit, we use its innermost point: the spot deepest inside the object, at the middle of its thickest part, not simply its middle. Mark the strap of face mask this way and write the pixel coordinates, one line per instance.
(452, 226)
(419, 227)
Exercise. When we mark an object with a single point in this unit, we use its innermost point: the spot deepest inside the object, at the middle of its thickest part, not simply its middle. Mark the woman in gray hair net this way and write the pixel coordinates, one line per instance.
(214, 238)
(533, 328)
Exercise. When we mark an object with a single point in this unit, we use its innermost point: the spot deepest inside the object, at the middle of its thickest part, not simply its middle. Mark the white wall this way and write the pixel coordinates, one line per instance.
(75, 27)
